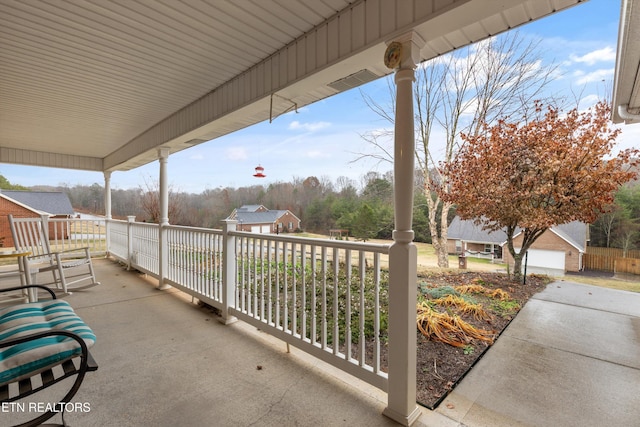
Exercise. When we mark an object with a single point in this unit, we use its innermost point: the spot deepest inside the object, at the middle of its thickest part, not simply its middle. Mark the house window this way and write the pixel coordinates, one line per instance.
(290, 225)
(488, 248)
(458, 246)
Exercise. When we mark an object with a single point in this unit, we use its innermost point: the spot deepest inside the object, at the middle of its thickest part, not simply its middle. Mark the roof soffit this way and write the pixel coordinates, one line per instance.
(100, 86)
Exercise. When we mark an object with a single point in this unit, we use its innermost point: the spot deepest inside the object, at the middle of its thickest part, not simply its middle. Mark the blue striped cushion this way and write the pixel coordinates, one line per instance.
(29, 358)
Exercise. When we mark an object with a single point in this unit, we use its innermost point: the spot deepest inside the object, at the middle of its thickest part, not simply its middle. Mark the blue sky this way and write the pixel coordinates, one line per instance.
(321, 139)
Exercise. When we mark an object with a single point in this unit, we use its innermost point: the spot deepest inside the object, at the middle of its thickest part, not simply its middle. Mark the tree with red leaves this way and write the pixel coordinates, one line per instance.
(547, 171)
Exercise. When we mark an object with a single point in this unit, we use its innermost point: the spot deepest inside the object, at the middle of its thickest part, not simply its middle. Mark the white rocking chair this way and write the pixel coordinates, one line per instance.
(71, 269)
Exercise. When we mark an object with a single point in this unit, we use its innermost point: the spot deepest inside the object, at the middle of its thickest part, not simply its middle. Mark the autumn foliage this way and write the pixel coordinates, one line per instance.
(549, 170)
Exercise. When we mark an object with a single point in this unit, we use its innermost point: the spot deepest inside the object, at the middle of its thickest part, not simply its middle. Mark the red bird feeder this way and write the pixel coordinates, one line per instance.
(259, 174)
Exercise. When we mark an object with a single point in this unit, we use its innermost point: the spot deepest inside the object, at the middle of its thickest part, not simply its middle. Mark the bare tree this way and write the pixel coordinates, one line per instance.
(458, 93)
(150, 201)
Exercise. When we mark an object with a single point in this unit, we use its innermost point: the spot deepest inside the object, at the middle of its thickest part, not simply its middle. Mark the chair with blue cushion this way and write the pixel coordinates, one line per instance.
(41, 344)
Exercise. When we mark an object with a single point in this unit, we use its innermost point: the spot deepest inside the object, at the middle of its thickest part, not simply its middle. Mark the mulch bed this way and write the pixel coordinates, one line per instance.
(441, 366)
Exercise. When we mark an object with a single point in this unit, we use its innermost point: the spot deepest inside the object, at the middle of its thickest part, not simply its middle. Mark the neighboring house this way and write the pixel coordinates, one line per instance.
(31, 204)
(464, 237)
(558, 250)
(259, 219)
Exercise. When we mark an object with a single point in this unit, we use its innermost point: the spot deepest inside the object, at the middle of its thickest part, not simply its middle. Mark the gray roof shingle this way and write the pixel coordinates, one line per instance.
(465, 229)
(573, 232)
(259, 217)
(52, 202)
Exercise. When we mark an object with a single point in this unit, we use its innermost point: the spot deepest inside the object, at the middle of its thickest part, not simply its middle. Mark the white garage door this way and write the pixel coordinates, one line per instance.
(545, 262)
(264, 229)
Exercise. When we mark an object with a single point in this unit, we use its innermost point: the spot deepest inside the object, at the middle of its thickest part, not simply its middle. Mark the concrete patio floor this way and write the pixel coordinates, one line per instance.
(570, 358)
(164, 361)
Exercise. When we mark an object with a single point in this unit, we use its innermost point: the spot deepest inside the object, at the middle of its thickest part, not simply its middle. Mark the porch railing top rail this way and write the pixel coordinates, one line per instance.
(340, 244)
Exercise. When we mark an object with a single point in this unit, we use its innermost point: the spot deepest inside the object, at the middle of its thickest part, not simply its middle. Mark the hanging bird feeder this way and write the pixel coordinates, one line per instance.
(259, 172)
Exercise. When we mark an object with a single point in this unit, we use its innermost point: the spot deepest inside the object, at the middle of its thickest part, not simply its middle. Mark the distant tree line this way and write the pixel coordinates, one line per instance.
(619, 227)
(364, 208)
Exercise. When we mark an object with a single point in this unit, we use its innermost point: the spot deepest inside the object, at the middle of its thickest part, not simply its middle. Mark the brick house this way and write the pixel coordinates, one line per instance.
(31, 204)
(259, 219)
(464, 237)
(558, 250)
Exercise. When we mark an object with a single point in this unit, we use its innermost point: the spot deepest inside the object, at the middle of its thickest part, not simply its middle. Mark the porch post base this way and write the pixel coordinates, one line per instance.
(228, 320)
(163, 286)
(405, 420)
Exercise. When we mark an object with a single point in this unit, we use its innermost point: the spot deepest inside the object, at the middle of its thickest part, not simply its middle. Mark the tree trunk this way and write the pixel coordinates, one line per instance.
(517, 266)
(440, 245)
(442, 248)
(438, 237)
(528, 237)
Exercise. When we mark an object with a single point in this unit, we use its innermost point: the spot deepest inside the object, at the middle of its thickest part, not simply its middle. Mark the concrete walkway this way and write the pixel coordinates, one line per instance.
(570, 358)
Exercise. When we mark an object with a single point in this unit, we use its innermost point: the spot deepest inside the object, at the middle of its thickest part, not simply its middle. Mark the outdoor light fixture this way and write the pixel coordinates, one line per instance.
(259, 174)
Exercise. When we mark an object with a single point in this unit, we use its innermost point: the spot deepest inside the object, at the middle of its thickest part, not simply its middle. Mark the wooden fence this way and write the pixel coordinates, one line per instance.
(627, 265)
(612, 259)
(613, 252)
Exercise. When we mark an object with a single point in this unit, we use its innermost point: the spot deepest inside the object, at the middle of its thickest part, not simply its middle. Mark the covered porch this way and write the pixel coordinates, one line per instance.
(167, 361)
(106, 88)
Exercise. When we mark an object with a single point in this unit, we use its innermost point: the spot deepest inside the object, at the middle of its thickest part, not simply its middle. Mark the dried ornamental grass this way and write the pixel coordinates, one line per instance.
(500, 294)
(479, 289)
(447, 328)
(471, 289)
(463, 306)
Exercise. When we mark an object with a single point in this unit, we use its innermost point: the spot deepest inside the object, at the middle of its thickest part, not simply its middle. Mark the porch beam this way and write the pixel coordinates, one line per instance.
(403, 254)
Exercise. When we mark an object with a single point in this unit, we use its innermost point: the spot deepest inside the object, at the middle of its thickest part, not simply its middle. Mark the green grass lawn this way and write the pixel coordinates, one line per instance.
(631, 284)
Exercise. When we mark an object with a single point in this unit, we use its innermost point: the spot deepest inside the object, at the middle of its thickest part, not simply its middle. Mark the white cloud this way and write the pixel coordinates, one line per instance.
(594, 76)
(588, 101)
(317, 154)
(606, 54)
(237, 153)
(309, 127)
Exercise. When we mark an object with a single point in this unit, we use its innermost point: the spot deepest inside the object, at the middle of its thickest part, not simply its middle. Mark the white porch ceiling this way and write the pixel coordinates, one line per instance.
(101, 85)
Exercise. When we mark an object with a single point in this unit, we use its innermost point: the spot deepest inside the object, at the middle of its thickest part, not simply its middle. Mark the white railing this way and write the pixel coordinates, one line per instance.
(145, 247)
(136, 244)
(74, 233)
(326, 297)
(195, 262)
(119, 240)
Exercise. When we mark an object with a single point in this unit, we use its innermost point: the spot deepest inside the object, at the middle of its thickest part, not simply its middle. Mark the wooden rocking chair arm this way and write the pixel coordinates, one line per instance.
(66, 251)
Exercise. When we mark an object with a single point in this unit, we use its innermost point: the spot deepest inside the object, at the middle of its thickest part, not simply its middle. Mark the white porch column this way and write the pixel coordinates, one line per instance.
(403, 254)
(163, 252)
(107, 208)
(163, 156)
(107, 194)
